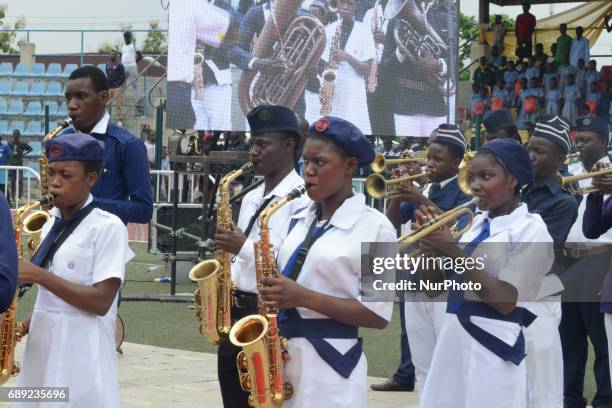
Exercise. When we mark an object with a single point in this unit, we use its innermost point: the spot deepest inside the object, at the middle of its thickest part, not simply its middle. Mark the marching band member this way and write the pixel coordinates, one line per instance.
(79, 268)
(321, 263)
(424, 318)
(123, 187)
(596, 222)
(274, 146)
(478, 359)
(8, 256)
(499, 124)
(354, 57)
(548, 147)
(581, 315)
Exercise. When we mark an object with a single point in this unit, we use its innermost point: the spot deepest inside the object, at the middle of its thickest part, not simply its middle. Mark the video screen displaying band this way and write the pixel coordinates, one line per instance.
(388, 66)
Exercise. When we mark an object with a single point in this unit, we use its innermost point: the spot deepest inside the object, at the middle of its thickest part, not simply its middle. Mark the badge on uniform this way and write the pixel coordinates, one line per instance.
(322, 125)
(264, 115)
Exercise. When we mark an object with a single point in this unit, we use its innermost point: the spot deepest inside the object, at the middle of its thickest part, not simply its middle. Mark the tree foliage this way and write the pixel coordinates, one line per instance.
(7, 39)
(155, 42)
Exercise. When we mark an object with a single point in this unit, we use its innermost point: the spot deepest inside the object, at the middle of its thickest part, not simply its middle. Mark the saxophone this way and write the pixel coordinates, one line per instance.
(260, 363)
(213, 298)
(43, 161)
(11, 330)
(326, 92)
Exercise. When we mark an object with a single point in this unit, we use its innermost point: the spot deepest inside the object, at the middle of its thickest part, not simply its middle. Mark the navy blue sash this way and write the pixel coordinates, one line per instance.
(316, 330)
(506, 352)
(466, 309)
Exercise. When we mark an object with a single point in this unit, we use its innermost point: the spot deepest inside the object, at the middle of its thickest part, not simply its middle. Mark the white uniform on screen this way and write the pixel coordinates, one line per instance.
(66, 346)
(189, 20)
(349, 101)
(213, 111)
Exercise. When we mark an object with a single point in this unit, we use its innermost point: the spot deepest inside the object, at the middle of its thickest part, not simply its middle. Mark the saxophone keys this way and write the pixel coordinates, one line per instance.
(288, 391)
(16, 369)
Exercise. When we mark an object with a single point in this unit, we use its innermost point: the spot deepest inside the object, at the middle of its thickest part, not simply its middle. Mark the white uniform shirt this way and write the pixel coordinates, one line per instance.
(128, 54)
(349, 101)
(576, 237)
(469, 374)
(333, 267)
(66, 346)
(243, 269)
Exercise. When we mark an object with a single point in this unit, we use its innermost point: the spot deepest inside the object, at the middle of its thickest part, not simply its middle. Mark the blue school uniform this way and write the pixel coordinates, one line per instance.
(525, 117)
(510, 78)
(553, 97)
(571, 94)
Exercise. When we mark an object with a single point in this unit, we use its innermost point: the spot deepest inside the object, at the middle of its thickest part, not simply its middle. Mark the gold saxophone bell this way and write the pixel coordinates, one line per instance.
(380, 164)
(379, 187)
(32, 226)
(570, 182)
(205, 274)
(440, 221)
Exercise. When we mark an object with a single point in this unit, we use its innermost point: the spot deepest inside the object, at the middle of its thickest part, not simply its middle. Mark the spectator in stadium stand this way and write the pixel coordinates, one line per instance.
(499, 33)
(496, 59)
(564, 45)
(130, 56)
(124, 187)
(524, 28)
(553, 52)
(150, 145)
(115, 72)
(5, 152)
(603, 110)
(580, 48)
(540, 56)
(484, 75)
(592, 75)
(18, 150)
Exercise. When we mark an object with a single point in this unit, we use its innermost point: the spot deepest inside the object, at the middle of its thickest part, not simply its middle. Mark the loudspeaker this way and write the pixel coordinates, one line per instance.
(160, 237)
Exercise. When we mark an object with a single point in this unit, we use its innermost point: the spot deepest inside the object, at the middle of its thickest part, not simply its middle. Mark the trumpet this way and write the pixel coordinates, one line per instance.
(570, 181)
(463, 177)
(379, 187)
(380, 164)
(440, 221)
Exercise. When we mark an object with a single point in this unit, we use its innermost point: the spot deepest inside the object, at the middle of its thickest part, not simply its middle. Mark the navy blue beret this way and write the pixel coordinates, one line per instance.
(556, 129)
(593, 124)
(498, 119)
(447, 133)
(514, 156)
(74, 146)
(272, 118)
(347, 136)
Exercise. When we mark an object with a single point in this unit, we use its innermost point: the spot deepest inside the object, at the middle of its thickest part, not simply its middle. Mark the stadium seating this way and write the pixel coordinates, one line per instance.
(15, 107)
(36, 71)
(6, 69)
(3, 106)
(54, 70)
(62, 111)
(34, 128)
(37, 89)
(21, 88)
(16, 124)
(4, 128)
(34, 109)
(5, 87)
(52, 108)
(21, 71)
(54, 90)
(36, 148)
(68, 70)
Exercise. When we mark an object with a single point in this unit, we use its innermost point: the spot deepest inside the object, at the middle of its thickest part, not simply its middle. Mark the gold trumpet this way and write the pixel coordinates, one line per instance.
(379, 187)
(463, 177)
(440, 221)
(570, 181)
(380, 164)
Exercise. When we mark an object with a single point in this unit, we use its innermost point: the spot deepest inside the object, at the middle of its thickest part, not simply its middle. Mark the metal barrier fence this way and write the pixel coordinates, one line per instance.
(20, 184)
